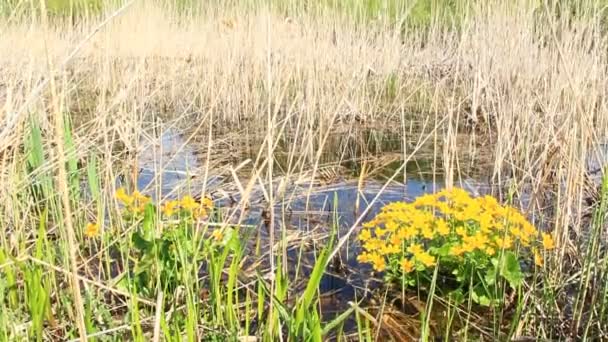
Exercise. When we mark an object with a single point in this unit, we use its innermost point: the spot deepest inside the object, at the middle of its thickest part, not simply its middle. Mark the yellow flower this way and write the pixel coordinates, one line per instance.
(504, 242)
(378, 262)
(456, 251)
(373, 244)
(548, 242)
(516, 232)
(92, 230)
(490, 251)
(538, 259)
(141, 198)
(217, 235)
(486, 223)
(426, 259)
(444, 208)
(188, 203)
(461, 231)
(168, 208)
(406, 232)
(425, 201)
(139, 209)
(471, 212)
(415, 249)
(363, 258)
(479, 241)
(207, 202)
(199, 212)
(407, 265)
(370, 224)
(426, 232)
(395, 240)
(391, 226)
(380, 232)
(123, 197)
(365, 235)
(459, 196)
(528, 229)
(525, 240)
(390, 249)
(442, 227)
(489, 202)
(468, 247)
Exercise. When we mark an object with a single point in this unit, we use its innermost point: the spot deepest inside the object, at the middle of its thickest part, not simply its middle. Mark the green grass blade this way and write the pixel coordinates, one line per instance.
(337, 321)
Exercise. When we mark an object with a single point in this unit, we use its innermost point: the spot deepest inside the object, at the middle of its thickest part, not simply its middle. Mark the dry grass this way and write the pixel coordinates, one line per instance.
(528, 88)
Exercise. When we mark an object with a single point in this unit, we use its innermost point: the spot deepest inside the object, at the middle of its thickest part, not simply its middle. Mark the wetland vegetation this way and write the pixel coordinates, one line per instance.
(303, 171)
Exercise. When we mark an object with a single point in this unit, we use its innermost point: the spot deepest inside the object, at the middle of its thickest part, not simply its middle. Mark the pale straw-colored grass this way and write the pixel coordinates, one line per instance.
(534, 86)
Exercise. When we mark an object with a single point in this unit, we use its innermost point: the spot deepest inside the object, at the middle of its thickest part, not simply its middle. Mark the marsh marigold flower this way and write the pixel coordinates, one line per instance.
(169, 207)
(425, 201)
(363, 257)
(442, 227)
(378, 262)
(207, 202)
(407, 265)
(395, 240)
(217, 235)
(141, 198)
(461, 231)
(538, 259)
(426, 259)
(380, 232)
(548, 242)
(427, 232)
(365, 235)
(188, 203)
(504, 242)
(92, 230)
(415, 249)
(199, 212)
(123, 197)
(456, 251)
(390, 249)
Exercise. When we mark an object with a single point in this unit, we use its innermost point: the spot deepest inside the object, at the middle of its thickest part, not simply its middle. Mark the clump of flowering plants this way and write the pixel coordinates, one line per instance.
(170, 239)
(478, 243)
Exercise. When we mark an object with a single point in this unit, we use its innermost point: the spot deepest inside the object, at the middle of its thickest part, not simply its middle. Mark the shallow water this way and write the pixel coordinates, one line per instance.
(174, 167)
(171, 165)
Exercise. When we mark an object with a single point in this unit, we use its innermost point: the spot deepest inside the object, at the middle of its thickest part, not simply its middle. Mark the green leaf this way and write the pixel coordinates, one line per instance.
(443, 251)
(482, 300)
(490, 276)
(141, 243)
(231, 239)
(93, 177)
(457, 296)
(148, 222)
(511, 270)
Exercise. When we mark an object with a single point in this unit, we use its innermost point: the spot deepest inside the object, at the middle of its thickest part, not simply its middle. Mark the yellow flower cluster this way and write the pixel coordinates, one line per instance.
(451, 219)
(136, 203)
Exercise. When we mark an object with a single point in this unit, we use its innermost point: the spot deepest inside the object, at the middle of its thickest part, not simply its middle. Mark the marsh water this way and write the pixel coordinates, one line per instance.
(308, 207)
(336, 198)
